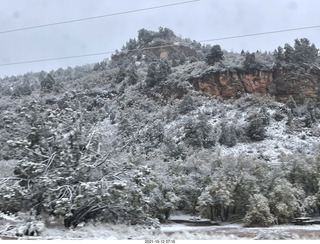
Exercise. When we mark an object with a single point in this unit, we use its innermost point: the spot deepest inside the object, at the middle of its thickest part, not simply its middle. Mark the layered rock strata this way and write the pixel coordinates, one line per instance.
(302, 84)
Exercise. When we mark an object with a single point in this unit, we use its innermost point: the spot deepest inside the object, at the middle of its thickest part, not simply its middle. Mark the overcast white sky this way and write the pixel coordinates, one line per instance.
(202, 20)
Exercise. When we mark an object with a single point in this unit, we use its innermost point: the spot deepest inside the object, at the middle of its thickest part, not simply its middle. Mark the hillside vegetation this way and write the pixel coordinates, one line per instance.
(130, 140)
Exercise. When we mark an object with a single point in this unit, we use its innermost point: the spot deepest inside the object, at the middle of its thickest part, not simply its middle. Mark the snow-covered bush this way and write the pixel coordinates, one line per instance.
(199, 132)
(259, 212)
(214, 200)
(228, 135)
(285, 202)
(256, 129)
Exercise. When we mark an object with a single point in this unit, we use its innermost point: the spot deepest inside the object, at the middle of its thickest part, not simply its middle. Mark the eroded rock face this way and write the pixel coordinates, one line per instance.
(302, 84)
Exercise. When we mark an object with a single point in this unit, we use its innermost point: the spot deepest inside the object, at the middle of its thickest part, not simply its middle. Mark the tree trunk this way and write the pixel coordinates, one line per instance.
(222, 213)
(226, 213)
(211, 213)
(234, 210)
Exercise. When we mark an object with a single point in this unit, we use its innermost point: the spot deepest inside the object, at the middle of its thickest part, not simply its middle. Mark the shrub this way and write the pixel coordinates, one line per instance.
(259, 212)
(215, 55)
(199, 132)
(228, 135)
(256, 129)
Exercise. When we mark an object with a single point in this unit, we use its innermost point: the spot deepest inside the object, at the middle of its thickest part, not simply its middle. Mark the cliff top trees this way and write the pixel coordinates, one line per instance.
(215, 55)
(302, 53)
(251, 63)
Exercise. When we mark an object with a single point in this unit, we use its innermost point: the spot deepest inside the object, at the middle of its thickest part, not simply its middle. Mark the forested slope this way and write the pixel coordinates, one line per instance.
(132, 139)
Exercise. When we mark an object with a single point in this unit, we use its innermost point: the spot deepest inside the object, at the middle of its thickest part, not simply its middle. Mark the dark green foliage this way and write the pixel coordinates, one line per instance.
(279, 55)
(178, 58)
(256, 129)
(289, 53)
(303, 53)
(23, 89)
(132, 44)
(186, 105)
(290, 117)
(310, 117)
(47, 84)
(259, 212)
(145, 36)
(121, 75)
(164, 69)
(132, 75)
(157, 72)
(175, 150)
(154, 135)
(125, 128)
(199, 133)
(166, 34)
(264, 115)
(228, 135)
(163, 35)
(291, 104)
(152, 75)
(311, 111)
(250, 63)
(215, 55)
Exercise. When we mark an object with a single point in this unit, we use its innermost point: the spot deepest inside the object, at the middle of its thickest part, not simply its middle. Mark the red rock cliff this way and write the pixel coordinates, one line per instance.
(302, 84)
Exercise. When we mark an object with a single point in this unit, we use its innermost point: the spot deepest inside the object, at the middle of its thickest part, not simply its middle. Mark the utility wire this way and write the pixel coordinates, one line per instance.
(53, 59)
(162, 46)
(261, 33)
(97, 17)
(81, 56)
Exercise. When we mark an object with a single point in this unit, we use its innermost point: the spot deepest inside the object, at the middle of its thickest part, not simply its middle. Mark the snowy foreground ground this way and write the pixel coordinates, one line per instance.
(10, 226)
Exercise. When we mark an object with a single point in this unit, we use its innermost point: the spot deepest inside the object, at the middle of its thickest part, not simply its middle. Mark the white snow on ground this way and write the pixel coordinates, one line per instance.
(9, 225)
(277, 144)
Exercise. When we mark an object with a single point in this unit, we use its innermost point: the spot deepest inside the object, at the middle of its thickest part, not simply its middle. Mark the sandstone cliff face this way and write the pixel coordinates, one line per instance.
(302, 84)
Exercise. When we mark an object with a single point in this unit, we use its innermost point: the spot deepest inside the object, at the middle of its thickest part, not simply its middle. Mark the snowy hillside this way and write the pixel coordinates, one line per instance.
(130, 141)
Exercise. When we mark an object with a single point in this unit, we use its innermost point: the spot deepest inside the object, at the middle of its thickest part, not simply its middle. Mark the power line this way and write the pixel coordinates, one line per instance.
(261, 33)
(162, 46)
(58, 58)
(97, 17)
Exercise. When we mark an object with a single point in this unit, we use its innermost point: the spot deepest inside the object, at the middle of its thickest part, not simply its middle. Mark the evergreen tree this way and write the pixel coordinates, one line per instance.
(311, 111)
(132, 75)
(48, 83)
(228, 135)
(250, 63)
(290, 117)
(132, 44)
(121, 75)
(291, 104)
(157, 72)
(145, 36)
(215, 55)
(152, 75)
(186, 105)
(288, 53)
(256, 129)
(199, 132)
(164, 69)
(279, 55)
(264, 115)
(305, 52)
